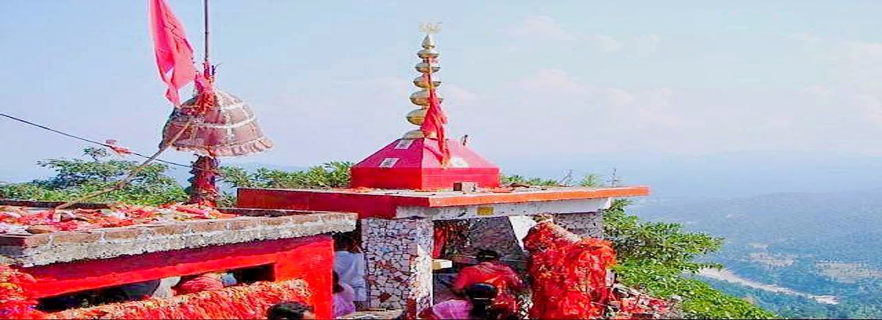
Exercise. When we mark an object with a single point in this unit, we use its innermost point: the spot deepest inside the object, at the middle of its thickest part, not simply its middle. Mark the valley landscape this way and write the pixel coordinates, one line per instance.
(797, 254)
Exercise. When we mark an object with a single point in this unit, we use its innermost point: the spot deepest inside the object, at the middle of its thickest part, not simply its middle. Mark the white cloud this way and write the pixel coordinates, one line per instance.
(457, 95)
(541, 28)
(647, 43)
(872, 106)
(544, 28)
(552, 81)
(806, 37)
(659, 97)
(603, 43)
(652, 108)
(818, 91)
(858, 49)
(615, 96)
(858, 65)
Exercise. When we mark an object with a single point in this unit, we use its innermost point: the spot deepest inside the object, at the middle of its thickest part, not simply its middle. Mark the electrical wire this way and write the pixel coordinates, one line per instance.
(88, 140)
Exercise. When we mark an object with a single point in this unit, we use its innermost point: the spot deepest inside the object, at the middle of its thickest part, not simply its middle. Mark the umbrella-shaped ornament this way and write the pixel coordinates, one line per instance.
(228, 128)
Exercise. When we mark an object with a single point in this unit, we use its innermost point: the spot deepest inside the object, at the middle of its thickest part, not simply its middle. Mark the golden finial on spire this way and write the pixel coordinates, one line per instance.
(426, 66)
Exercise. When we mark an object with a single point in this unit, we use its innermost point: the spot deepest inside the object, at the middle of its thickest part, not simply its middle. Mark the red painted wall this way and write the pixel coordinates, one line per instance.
(308, 258)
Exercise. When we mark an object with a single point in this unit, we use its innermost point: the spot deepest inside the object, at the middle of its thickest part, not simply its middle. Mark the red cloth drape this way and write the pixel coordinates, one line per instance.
(435, 120)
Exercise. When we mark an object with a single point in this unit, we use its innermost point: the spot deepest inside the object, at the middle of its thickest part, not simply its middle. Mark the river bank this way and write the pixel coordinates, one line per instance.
(729, 276)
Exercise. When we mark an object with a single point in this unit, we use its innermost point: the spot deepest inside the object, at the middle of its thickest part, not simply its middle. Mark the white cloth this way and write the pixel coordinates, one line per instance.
(150, 289)
(350, 268)
(164, 290)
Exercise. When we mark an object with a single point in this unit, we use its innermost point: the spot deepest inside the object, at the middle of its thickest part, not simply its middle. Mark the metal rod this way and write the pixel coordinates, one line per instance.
(206, 64)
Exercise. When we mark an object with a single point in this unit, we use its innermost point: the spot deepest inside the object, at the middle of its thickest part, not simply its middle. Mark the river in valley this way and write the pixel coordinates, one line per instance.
(729, 276)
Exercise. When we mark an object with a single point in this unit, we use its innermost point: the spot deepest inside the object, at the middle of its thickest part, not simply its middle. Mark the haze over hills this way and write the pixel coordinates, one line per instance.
(815, 243)
(720, 175)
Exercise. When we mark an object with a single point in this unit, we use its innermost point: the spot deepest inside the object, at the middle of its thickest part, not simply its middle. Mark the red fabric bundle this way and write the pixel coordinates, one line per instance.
(569, 274)
(239, 302)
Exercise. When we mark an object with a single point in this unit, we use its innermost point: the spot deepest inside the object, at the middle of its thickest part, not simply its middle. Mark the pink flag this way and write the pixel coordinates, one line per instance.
(174, 55)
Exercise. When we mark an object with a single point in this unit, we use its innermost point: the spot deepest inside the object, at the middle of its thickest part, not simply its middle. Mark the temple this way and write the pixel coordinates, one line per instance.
(404, 194)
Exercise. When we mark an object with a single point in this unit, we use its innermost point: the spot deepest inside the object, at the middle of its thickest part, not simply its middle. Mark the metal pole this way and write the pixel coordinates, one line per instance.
(206, 65)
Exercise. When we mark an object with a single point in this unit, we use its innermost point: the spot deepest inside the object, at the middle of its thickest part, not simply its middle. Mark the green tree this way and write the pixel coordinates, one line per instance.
(77, 177)
(520, 180)
(329, 175)
(654, 256)
(590, 180)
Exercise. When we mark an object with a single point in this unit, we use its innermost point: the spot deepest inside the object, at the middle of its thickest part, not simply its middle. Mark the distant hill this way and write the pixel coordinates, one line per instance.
(820, 243)
(713, 176)
(842, 226)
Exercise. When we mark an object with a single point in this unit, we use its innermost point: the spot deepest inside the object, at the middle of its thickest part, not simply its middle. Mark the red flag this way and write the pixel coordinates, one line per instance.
(435, 121)
(174, 55)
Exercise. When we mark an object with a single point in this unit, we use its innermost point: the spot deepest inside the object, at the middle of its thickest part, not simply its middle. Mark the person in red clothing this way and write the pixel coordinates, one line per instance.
(490, 270)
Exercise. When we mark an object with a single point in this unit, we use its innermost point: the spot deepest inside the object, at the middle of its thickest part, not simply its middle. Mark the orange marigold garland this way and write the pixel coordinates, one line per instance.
(19, 219)
(569, 279)
(239, 302)
(569, 274)
(15, 302)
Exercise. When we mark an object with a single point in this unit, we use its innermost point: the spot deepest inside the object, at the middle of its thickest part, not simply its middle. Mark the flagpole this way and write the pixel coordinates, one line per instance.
(205, 64)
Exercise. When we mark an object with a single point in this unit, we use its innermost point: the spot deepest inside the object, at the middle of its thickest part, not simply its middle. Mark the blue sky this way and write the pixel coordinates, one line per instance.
(330, 79)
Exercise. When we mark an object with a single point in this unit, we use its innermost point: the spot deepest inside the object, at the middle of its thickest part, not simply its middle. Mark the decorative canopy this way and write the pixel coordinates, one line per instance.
(227, 129)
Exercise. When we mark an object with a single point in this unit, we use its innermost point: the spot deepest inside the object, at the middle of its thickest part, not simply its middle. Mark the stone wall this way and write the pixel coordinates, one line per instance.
(48, 248)
(589, 224)
(399, 263)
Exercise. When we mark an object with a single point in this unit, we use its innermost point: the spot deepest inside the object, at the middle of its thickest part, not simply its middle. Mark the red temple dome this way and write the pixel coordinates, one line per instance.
(415, 164)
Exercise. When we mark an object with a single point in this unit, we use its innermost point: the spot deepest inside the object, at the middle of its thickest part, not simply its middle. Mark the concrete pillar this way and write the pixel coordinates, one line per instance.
(588, 224)
(399, 263)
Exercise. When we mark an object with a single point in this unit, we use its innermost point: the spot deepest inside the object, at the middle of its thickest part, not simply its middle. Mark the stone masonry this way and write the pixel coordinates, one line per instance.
(399, 263)
(588, 224)
(48, 248)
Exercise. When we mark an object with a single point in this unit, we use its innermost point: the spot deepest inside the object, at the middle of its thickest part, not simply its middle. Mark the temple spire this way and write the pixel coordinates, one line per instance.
(427, 67)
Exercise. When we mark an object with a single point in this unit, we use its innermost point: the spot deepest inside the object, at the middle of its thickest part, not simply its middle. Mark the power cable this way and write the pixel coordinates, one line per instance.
(89, 140)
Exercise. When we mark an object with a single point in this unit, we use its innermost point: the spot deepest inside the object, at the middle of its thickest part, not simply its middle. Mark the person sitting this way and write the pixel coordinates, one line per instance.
(490, 270)
(161, 288)
(289, 310)
(203, 282)
(479, 304)
(349, 265)
(343, 295)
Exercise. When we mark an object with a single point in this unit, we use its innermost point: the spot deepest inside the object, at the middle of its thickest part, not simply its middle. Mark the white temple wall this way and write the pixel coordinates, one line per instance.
(398, 256)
